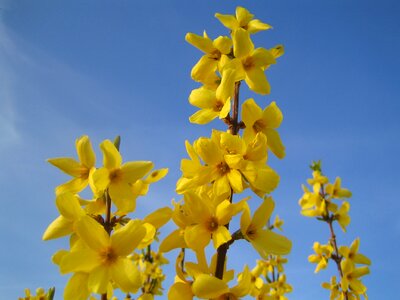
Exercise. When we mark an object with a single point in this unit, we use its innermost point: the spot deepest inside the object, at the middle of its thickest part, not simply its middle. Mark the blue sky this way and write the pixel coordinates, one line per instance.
(105, 68)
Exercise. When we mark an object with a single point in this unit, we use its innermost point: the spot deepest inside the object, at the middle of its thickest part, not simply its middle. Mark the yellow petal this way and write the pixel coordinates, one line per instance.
(268, 242)
(99, 279)
(221, 236)
(85, 152)
(242, 44)
(111, 157)
(257, 81)
(228, 21)
(68, 165)
(156, 175)
(180, 291)
(251, 112)
(206, 286)
(68, 206)
(92, 233)
(99, 179)
(159, 217)
(263, 213)
(261, 57)
(58, 228)
(200, 42)
(73, 186)
(235, 180)
(203, 116)
(84, 260)
(226, 89)
(243, 16)
(125, 239)
(197, 237)
(77, 287)
(172, 241)
(149, 237)
(245, 219)
(135, 170)
(255, 26)
(272, 115)
(126, 275)
(275, 143)
(204, 70)
(223, 44)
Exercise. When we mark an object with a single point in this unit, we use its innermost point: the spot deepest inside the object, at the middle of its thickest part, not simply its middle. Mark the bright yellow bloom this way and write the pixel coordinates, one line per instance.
(118, 178)
(209, 221)
(80, 170)
(352, 254)
(251, 63)
(243, 19)
(263, 240)
(71, 212)
(204, 70)
(351, 276)
(213, 103)
(228, 163)
(321, 257)
(265, 121)
(105, 258)
(342, 215)
(336, 191)
(333, 286)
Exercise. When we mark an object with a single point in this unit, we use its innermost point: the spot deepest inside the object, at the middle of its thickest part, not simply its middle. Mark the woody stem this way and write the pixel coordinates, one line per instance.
(234, 129)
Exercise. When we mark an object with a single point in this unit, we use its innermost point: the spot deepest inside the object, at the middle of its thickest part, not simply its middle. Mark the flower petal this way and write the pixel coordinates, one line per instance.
(125, 239)
(206, 286)
(126, 275)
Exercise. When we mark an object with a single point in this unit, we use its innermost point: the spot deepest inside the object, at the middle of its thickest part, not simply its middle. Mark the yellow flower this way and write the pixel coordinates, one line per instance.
(342, 215)
(118, 178)
(263, 240)
(352, 254)
(251, 63)
(333, 286)
(351, 276)
(228, 163)
(243, 19)
(213, 103)
(105, 258)
(71, 212)
(80, 170)
(204, 70)
(265, 121)
(209, 221)
(321, 257)
(336, 191)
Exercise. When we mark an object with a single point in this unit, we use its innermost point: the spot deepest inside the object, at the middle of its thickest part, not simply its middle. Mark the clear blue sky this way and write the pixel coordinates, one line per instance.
(103, 68)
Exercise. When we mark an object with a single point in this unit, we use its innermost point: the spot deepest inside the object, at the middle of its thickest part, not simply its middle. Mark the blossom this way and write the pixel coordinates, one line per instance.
(105, 257)
(80, 170)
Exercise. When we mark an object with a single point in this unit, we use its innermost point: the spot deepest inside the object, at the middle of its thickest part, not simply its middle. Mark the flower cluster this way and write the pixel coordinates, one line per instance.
(228, 163)
(103, 242)
(319, 202)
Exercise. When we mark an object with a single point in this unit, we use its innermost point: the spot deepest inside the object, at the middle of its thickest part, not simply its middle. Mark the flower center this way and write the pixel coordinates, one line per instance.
(259, 125)
(223, 168)
(108, 256)
(251, 232)
(115, 175)
(212, 224)
(248, 63)
(218, 105)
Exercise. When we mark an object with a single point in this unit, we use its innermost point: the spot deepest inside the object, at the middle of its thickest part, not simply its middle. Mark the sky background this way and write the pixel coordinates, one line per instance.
(107, 68)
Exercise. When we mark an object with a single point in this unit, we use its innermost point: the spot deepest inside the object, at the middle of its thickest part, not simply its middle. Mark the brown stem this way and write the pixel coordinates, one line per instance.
(336, 257)
(234, 129)
(107, 225)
